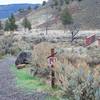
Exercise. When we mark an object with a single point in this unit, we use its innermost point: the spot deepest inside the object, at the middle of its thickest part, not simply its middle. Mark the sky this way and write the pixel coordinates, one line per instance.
(3, 2)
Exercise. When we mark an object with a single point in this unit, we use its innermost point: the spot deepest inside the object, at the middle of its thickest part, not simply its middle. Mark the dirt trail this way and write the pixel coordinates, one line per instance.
(8, 90)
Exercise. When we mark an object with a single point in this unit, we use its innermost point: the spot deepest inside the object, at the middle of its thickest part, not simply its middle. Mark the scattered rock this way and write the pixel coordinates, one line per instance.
(22, 59)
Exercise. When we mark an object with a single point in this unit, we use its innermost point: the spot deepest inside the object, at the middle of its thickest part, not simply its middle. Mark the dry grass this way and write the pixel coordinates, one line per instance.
(67, 62)
(42, 51)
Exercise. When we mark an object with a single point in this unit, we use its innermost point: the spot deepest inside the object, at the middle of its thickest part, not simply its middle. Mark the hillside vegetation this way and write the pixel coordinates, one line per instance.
(84, 12)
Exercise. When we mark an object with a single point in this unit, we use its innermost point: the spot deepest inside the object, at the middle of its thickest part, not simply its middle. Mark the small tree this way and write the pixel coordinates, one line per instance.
(66, 18)
(74, 30)
(10, 24)
(44, 3)
(26, 23)
(12, 21)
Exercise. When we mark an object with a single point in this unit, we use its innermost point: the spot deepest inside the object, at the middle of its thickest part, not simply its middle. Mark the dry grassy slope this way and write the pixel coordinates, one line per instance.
(88, 15)
(41, 17)
(38, 17)
(19, 15)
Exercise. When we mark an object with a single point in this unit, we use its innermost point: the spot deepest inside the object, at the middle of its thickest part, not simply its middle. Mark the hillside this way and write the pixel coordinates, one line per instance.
(89, 14)
(86, 13)
(6, 10)
(42, 17)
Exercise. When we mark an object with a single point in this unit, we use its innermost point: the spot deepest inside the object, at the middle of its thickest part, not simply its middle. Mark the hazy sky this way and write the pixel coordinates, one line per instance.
(20, 1)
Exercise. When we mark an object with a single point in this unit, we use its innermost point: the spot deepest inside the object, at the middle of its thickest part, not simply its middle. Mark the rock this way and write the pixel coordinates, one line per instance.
(20, 66)
(23, 58)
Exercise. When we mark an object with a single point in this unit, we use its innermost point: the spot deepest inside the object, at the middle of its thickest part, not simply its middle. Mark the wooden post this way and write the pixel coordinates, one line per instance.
(52, 77)
(52, 70)
(51, 63)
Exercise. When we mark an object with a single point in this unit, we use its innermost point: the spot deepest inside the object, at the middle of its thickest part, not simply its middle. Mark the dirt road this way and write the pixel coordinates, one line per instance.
(8, 90)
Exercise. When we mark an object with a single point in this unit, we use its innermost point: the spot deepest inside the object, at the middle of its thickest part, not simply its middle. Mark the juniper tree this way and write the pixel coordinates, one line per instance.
(10, 24)
(12, 21)
(26, 23)
(44, 3)
(66, 17)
